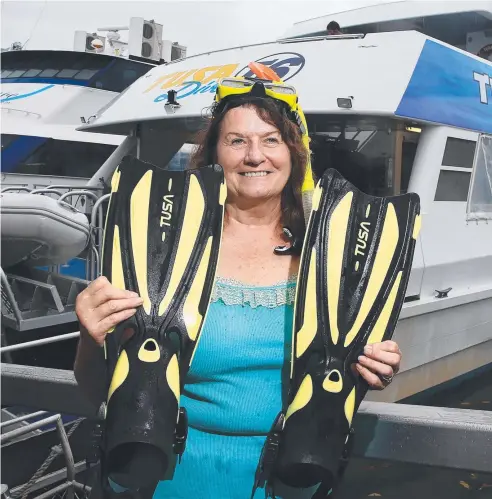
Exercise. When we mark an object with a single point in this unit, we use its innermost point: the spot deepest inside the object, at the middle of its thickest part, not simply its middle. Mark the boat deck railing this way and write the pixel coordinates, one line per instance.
(458, 439)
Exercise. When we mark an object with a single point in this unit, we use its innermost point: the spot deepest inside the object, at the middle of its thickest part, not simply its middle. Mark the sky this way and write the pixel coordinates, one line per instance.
(199, 25)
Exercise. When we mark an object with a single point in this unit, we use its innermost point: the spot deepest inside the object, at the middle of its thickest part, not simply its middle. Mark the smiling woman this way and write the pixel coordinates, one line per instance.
(239, 379)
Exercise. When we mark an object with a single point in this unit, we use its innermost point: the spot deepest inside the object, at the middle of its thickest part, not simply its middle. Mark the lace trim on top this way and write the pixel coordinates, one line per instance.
(233, 292)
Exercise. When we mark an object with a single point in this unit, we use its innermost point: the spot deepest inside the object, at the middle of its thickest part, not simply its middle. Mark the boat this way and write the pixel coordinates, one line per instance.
(38, 230)
(400, 100)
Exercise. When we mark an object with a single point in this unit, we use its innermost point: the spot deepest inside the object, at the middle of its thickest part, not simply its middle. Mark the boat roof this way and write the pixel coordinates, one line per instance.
(400, 74)
(471, 15)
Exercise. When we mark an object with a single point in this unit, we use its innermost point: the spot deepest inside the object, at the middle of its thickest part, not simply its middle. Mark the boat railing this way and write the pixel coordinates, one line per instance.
(97, 231)
(46, 191)
(69, 485)
(16, 189)
(316, 38)
(459, 439)
(21, 111)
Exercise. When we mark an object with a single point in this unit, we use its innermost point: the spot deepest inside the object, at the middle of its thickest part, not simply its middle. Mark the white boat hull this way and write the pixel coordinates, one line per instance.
(441, 343)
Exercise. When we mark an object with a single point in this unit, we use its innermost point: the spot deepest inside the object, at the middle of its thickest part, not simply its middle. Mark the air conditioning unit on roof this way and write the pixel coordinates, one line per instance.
(172, 51)
(177, 51)
(145, 40)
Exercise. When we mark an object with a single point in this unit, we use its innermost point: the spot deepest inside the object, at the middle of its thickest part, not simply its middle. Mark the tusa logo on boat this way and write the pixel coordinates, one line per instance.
(204, 80)
(485, 86)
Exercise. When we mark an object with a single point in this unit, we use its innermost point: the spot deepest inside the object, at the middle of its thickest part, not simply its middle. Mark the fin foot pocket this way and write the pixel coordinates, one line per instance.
(134, 465)
(161, 240)
(355, 266)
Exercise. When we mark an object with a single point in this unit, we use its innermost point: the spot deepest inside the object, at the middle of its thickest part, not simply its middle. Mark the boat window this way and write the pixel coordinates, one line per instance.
(181, 159)
(97, 71)
(17, 74)
(7, 139)
(31, 73)
(85, 74)
(456, 168)
(121, 74)
(452, 186)
(480, 203)
(459, 152)
(374, 154)
(60, 157)
(47, 73)
(457, 28)
(67, 73)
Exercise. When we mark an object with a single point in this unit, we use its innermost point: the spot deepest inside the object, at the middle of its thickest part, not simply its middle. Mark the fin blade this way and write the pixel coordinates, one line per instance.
(382, 263)
(335, 259)
(187, 239)
(139, 228)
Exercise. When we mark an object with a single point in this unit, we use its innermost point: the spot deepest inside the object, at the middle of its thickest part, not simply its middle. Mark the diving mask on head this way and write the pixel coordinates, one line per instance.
(267, 84)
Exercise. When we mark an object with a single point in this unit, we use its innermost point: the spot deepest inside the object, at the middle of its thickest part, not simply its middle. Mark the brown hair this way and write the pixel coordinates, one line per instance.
(273, 113)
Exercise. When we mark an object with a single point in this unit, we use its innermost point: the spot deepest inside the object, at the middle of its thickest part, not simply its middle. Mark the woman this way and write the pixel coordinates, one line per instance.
(234, 388)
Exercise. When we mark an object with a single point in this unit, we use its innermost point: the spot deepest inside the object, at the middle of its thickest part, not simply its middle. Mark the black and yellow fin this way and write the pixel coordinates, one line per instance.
(355, 265)
(161, 240)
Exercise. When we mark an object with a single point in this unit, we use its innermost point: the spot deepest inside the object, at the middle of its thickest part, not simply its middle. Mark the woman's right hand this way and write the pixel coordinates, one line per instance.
(101, 306)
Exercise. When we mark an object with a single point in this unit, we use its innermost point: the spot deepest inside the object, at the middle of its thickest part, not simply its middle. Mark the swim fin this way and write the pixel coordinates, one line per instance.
(355, 265)
(161, 240)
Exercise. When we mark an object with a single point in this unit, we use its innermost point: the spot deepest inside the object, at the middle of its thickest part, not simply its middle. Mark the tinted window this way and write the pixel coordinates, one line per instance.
(7, 139)
(363, 151)
(31, 73)
(48, 73)
(452, 186)
(65, 158)
(459, 152)
(103, 72)
(121, 74)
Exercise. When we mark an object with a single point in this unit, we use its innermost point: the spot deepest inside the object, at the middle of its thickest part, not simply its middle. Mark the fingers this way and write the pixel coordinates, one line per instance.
(111, 321)
(102, 294)
(378, 368)
(372, 380)
(102, 306)
(112, 307)
(379, 360)
(386, 352)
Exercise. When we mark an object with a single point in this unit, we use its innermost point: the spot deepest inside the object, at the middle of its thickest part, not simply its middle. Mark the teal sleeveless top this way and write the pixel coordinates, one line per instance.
(234, 392)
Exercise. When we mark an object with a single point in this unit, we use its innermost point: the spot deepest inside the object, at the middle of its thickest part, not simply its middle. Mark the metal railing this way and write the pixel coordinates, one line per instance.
(97, 232)
(37, 343)
(70, 484)
(431, 436)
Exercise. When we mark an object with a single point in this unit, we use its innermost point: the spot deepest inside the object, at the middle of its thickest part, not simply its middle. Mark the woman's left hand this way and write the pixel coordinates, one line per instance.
(380, 362)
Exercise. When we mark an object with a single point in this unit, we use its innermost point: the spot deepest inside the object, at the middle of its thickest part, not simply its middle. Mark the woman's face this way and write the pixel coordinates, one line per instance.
(255, 159)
